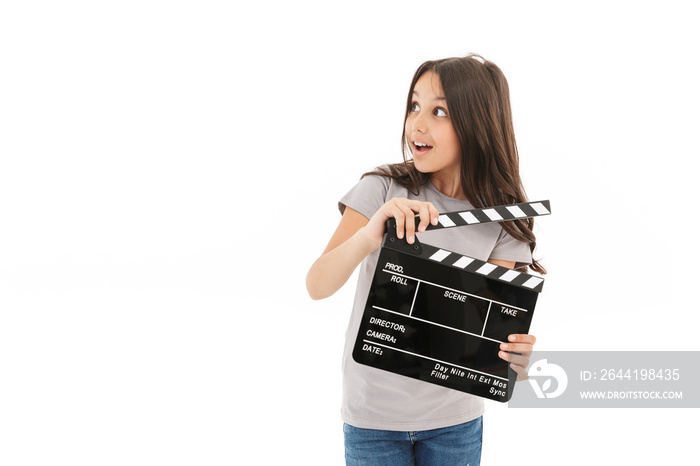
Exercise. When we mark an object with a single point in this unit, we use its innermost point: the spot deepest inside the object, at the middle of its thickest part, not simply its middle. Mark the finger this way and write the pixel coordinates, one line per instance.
(514, 358)
(434, 214)
(520, 371)
(400, 218)
(522, 338)
(410, 222)
(424, 213)
(517, 347)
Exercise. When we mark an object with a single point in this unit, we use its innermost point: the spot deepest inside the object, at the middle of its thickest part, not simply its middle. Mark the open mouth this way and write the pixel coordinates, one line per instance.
(421, 148)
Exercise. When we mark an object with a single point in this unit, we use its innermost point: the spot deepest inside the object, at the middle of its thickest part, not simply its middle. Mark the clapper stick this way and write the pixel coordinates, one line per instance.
(439, 316)
(492, 214)
(489, 214)
(466, 263)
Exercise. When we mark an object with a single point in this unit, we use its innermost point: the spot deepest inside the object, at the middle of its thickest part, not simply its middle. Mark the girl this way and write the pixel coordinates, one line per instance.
(459, 154)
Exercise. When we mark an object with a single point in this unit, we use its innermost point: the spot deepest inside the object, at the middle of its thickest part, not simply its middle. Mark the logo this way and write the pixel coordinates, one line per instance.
(547, 371)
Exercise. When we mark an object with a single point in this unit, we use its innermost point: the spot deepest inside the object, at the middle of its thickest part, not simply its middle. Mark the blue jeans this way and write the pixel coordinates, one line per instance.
(455, 445)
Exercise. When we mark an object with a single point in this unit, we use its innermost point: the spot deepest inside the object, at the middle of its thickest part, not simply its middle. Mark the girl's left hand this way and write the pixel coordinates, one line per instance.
(517, 351)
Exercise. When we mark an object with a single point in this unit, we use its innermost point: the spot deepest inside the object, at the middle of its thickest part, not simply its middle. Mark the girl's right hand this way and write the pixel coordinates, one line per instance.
(404, 211)
(356, 237)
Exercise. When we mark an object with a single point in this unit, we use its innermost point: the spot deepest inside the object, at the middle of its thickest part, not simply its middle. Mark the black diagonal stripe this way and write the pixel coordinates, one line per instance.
(520, 279)
(427, 251)
(481, 215)
(504, 212)
(455, 217)
(527, 209)
(496, 272)
(475, 265)
(524, 277)
(451, 258)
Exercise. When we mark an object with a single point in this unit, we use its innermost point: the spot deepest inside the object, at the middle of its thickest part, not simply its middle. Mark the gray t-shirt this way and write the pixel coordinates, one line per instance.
(376, 399)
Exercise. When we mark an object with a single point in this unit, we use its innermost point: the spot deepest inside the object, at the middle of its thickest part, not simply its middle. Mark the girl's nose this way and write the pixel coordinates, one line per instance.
(418, 124)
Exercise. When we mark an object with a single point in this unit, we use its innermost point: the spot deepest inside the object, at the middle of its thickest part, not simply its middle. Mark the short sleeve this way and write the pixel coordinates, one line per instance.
(510, 249)
(367, 196)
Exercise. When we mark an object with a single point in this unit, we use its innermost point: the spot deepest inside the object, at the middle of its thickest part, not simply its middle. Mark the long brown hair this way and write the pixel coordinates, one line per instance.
(478, 101)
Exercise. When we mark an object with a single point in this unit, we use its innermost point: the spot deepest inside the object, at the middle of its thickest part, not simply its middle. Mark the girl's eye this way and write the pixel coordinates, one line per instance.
(414, 107)
(440, 112)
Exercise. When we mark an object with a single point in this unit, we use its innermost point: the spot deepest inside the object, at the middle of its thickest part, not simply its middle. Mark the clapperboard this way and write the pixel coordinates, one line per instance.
(439, 316)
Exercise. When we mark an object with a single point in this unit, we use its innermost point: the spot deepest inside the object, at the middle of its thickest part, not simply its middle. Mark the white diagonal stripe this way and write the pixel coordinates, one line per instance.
(533, 282)
(440, 255)
(492, 214)
(516, 211)
(463, 262)
(486, 269)
(509, 275)
(539, 208)
(469, 217)
(446, 221)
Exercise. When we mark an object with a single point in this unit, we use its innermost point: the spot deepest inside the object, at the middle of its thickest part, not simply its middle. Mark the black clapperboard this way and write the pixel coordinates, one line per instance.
(440, 317)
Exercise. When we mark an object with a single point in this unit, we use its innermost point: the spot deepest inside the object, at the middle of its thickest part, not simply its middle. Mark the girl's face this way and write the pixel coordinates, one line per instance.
(429, 131)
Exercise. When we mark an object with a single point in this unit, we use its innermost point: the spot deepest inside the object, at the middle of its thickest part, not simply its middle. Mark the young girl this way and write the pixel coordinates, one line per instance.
(459, 154)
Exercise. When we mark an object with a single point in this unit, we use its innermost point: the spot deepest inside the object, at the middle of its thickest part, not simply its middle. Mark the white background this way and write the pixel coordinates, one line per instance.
(170, 170)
